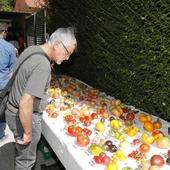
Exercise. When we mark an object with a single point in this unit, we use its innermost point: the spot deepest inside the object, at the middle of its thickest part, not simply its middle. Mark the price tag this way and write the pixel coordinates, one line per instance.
(87, 152)
(92, 163)
(75, 146)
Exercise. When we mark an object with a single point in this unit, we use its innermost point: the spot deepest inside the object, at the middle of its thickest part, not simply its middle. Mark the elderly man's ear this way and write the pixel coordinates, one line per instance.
(55, 45)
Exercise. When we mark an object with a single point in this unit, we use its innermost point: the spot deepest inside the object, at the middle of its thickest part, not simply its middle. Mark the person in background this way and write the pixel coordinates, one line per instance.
(28, 96)
(7, 64)
(21, 42)
(11, 38)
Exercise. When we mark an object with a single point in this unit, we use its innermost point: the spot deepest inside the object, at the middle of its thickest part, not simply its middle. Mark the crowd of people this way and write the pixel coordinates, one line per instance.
(28, 97)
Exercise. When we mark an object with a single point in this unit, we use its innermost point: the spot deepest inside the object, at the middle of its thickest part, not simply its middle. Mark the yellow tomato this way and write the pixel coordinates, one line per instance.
(147, 139)
(116, 124)
(112, 166)
(131, 130)
(100, 126)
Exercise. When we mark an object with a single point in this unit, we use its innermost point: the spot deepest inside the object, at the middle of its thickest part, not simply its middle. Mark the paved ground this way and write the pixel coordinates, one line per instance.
(46, 159)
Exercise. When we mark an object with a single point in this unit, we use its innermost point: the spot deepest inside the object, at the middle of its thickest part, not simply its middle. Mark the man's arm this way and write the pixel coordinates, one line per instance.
(25, 115)
(12, 61)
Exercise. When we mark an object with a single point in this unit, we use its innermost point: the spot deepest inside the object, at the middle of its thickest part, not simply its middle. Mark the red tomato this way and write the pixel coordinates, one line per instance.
(82, 119)
(130, 116)
(157, 160)
(125, 110)
(87, 131)
(53, 114)
(74, 130)
(102, 154)
(105, 160)
(97, 159)
(87, 121)
(87, 118)
(81, 98)
(72, 121)
(169, 153)
(94, 115)
(83, 140)
(122, 117)
(136, 141)
(78, 130)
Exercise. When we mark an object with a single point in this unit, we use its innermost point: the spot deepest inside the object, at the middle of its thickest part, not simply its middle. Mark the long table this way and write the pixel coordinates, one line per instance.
(74, 157)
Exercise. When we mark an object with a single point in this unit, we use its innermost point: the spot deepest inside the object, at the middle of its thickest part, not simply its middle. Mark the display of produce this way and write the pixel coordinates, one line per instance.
(115, 136)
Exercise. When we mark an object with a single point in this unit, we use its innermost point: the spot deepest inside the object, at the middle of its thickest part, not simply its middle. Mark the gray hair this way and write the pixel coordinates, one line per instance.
(64, 35)
(3, 26)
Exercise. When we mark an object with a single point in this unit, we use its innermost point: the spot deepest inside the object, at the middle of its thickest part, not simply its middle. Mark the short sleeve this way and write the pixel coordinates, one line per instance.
(37, 83)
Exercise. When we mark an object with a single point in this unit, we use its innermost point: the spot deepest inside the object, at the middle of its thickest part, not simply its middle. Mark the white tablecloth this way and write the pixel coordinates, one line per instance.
(74, 157)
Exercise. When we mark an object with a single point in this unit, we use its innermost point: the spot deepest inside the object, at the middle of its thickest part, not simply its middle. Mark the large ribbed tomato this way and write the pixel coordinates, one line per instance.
(83, 140)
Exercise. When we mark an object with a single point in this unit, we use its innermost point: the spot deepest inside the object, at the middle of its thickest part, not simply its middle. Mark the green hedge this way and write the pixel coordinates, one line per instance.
(123, 48)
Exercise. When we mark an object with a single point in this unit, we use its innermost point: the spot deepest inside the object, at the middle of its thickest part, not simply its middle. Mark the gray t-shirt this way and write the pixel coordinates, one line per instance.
(33, 78)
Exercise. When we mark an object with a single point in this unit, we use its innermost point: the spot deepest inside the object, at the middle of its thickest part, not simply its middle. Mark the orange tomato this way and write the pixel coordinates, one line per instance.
(105, 114)
(144, 147)
(149, 117)
(157, 124)
(157, 134)
(142, 118)
(148, 126)
(147, 138)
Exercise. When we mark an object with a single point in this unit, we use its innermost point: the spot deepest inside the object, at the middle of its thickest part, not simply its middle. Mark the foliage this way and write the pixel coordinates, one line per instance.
(123, 48)
(7, 5)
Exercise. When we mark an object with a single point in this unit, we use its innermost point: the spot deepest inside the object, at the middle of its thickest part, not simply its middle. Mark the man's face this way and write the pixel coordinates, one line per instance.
(61, 52)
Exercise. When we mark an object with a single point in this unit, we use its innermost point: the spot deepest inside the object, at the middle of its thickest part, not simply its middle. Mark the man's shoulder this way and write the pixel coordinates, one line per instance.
(37, 57)
(7, 44)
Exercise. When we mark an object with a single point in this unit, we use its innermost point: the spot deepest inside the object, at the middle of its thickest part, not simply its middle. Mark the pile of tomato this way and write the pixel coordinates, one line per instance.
(122, 121)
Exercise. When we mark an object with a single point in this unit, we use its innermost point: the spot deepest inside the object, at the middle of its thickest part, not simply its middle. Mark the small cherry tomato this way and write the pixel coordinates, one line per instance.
(136, 141)
(130, 116)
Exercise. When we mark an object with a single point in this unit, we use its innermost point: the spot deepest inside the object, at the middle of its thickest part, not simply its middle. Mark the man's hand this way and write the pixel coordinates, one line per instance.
(25, 115)
(25, 139)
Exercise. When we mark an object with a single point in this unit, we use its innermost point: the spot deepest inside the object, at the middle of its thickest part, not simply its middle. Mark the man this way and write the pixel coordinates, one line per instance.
(7, 63)
(27, 97)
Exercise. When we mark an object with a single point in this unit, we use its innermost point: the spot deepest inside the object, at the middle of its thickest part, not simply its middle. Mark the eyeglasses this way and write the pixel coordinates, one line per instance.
(65, 48)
